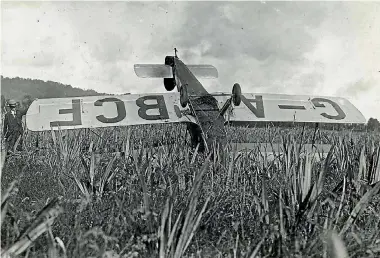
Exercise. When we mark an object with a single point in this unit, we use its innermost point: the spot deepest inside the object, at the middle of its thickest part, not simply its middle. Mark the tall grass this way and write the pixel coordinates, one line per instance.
(107, 194)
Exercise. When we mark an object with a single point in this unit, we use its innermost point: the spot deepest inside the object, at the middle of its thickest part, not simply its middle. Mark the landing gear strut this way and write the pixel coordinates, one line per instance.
(183, 96)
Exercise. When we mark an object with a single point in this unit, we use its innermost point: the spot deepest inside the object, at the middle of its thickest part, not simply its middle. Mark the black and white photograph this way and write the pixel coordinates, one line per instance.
(242, 129)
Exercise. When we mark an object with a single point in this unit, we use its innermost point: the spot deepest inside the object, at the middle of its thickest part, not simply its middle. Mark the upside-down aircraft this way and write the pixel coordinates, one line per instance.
(205, 113)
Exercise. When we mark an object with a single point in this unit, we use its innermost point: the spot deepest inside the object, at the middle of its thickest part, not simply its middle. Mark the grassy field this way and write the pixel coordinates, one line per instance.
(60, 198)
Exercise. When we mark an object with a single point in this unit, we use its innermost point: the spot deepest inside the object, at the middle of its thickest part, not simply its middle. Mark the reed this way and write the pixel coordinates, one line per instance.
(106, 193)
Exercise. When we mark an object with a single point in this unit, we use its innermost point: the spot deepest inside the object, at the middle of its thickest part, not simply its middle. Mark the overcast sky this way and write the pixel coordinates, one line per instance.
(323, 48)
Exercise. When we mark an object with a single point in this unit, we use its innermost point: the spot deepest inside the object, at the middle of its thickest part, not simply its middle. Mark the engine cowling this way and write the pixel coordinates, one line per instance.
(169, 83)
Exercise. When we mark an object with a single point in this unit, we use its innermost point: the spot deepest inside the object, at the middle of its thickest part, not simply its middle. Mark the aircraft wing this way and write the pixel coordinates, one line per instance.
(138, 109)
(105, 111)
(293, 108)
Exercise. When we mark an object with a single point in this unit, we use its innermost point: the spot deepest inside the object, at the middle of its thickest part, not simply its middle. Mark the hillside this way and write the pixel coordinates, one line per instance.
(17, 88)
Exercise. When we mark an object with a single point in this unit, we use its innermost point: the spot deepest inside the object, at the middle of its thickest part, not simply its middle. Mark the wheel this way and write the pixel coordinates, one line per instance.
(169, 84)
(169, 60)
(236, 94)
(183, 96)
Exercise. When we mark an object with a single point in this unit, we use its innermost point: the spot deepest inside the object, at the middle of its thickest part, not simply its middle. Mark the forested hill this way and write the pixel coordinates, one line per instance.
(17, 88)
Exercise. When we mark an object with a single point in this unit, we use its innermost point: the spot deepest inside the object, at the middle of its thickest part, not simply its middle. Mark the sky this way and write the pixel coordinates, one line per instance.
(313, 48)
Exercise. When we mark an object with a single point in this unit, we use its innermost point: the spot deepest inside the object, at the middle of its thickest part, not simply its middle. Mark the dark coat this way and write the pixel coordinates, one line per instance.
(13, 124)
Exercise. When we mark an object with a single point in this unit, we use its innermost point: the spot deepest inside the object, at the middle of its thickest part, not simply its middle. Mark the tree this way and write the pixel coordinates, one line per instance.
(373, 124)
(27, 101)
(2, 102)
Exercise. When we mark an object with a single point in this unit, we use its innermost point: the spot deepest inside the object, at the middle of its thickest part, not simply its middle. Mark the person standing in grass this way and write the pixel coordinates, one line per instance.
(13, 128)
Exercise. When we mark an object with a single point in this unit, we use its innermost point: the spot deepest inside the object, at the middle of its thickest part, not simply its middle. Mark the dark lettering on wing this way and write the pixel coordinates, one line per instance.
(120, 107)
(75, 110)
(160, 106)
(292, 107)
(259, 109)
(318, 102)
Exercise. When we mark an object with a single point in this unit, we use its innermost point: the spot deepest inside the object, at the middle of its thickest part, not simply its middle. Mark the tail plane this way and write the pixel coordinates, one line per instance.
(166, 71)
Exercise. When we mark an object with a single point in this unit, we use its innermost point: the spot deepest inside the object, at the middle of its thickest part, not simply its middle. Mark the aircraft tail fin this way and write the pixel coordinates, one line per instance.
(165, 71)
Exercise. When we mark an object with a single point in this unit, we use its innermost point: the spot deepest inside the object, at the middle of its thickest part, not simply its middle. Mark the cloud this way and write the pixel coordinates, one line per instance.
(262, 46)
(257, 30)
(359, 87)
(89, 46)
(348, 56)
